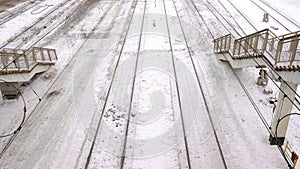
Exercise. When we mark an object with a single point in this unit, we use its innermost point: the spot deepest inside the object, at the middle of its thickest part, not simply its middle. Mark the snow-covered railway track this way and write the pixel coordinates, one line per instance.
(203, 95)
(175, 69)
(289, 26)
(11, 139)
(8, 15)
(275, 19)
(280, 13)
(45, 25)
(121, 45)
(128, 135)
(244, 16)
(133, 85)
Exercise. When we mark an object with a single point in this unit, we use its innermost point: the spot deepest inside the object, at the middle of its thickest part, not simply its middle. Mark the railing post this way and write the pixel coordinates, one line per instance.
(234, 47)
(255, 43)
(266, 39)
(272, 44)
(221, 44)
(4, 60)
(278, 51)
(26, 61)
(293, 49)
(42, 54)
(229, 41)
(49, 55)
(225, 47)
(16, 60)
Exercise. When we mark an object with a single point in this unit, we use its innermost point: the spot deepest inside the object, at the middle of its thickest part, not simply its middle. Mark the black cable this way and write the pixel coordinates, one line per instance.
(24, 112)
(32, 89)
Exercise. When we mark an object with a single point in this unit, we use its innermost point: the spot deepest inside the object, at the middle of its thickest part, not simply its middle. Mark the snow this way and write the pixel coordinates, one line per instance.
(83, 89)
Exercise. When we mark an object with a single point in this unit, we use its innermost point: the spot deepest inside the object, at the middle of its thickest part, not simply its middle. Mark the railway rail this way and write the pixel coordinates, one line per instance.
(177, 83)
(251, 24)
(123, 34)
(197, 12)
(8, 15)
(271, 15)
(132, 89)
(280, 13)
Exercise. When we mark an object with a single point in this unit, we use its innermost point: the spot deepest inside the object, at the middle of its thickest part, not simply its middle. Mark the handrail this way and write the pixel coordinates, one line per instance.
(222, 37)
(292, 34)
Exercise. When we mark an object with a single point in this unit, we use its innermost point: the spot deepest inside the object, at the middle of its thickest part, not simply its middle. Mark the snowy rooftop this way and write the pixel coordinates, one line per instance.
(137, 85)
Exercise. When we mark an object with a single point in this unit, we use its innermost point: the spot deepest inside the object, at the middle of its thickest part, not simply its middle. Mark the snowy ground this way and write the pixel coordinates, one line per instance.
(116, 66)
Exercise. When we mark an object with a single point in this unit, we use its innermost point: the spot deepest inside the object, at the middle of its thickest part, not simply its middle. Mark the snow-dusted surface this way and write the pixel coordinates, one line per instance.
(77, 96)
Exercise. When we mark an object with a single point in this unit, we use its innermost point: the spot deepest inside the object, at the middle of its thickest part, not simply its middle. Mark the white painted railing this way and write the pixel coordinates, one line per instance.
(279, 51)
(23, 61)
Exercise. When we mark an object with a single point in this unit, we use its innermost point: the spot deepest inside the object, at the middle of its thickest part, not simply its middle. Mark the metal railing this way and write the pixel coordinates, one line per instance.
(23, 61)
(280, 51)
(223, 44)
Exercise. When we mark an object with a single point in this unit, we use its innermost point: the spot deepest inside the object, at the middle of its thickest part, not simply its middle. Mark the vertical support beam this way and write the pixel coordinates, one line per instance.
(256, 38)
(225, 46)
(229, 42)
(26, 62)
(215, 45)
(42, 54)
(49, 56)
(265, 42)
(293, 49)
(278, 52)
(239, 47)
(221, 48)
(283, 108)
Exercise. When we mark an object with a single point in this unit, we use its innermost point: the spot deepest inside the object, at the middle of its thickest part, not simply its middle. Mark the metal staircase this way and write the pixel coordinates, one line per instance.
(18, 66)
(15, 61)
(282, 53)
